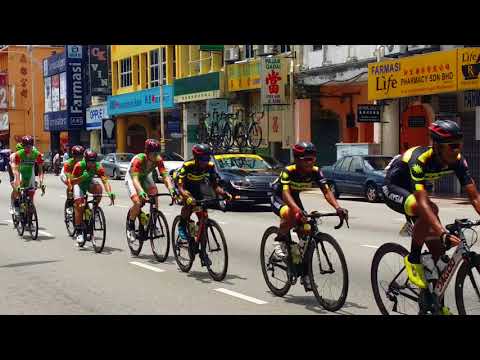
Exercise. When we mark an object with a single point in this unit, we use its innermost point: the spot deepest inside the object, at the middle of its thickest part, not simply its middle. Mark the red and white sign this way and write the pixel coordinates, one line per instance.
(274, 79)
(3, 92)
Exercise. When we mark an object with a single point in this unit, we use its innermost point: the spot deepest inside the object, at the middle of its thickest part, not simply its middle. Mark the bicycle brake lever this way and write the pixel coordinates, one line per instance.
(339, 225)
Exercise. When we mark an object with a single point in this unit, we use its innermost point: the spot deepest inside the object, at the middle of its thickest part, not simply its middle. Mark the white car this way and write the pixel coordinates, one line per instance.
(172, 161)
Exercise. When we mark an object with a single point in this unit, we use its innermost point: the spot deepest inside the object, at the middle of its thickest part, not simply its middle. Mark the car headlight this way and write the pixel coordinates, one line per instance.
(241, 184)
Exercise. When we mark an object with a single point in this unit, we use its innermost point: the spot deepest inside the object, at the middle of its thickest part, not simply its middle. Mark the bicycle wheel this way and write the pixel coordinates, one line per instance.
(99, 230)
(182, 252)
(159, 236)
(214, 138)
(254, 136)
(69, 223)
(279, 280)
(21, 220)
(227, 137)
(135, 245)
(217, 251)
(467, 287)
(32, 222)
(392, 291)
(241, 135)
(328, 272)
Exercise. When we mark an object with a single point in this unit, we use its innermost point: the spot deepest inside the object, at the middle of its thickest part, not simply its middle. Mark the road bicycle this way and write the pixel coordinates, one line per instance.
(317, 255)
(27, 217)
(94, 224)
(248, 133)
(395, 294)
(153, 227)
(205, 238)
(68, 215)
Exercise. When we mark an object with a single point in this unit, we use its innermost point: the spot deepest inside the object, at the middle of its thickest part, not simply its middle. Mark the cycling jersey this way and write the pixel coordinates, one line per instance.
(191, 174)
(26, 165)
(291, 179)
(418, 165)
(67, 170)
(138, 167)
(80, 170)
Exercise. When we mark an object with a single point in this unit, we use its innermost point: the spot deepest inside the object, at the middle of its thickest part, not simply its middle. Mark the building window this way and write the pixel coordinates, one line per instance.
(126, 72)
(154, 75)
(164, 65)
(284, 48)
(317, 47)
(249, 51)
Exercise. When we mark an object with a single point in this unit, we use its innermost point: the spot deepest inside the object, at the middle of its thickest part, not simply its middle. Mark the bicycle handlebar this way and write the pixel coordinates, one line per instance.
(317, 215)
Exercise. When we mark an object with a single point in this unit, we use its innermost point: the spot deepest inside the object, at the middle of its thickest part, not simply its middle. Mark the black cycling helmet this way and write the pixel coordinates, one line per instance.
(27, 140)
(77, 150)
(444, 131)
(90, 155)
(201, 150)
(303, 148)
(152, 146)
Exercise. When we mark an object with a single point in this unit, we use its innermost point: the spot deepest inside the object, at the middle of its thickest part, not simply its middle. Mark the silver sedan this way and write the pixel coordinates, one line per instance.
(116, 164)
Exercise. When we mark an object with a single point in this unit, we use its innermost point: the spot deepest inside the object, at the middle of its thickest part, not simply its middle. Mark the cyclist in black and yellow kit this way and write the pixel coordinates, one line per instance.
(286, 201)
(189, 178)
(405, 192)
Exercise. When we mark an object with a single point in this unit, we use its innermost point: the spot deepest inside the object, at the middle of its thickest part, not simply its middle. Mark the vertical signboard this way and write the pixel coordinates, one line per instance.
(98, 70)
(75, 87)
(274, 80)
(3, 92)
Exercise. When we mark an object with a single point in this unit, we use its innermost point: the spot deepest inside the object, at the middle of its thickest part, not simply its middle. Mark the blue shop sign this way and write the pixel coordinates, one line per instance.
(56, 121)
(55, 64)
(140, 101)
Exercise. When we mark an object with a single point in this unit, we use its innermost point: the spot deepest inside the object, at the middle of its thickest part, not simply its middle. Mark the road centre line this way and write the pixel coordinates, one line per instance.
(371, 246)
(241, 296)
(145, 266)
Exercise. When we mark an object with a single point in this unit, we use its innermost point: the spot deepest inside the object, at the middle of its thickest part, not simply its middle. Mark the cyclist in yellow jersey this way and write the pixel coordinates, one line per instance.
(405, 191)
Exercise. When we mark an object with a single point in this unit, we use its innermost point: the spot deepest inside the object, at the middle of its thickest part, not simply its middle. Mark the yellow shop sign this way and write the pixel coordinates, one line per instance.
(412, 76)
(468, 68)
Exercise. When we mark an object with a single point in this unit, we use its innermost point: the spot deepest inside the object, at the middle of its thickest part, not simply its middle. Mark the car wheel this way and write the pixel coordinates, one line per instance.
(334, 189)
(371, 193)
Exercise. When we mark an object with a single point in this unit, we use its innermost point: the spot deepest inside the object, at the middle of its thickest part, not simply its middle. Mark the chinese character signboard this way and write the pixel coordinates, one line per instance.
(368, 113)
(273, 80)
(275, 123)
(3, 92)
(98, 68)
(431, 73)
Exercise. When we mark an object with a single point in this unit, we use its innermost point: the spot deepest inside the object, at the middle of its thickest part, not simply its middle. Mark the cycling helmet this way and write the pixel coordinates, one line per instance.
(152, 145)
(19, 147)
(199, 150)
(303, 148)
(444, 131)
(77, 150)
(90, 155)
(27, 140)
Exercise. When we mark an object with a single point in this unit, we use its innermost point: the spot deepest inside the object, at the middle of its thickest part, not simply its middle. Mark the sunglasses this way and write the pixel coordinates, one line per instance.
(204, 158)
(454, 146)
(307, 158)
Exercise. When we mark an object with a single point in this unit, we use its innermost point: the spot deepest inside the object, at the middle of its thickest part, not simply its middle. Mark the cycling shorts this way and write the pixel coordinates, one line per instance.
(400, 200)
(78, 193)
(280, 208)
(147, 184)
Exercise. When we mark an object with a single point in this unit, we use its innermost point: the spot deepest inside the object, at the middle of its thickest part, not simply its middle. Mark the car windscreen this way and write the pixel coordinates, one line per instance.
(377, 163)
(245, 162)
(124, 157)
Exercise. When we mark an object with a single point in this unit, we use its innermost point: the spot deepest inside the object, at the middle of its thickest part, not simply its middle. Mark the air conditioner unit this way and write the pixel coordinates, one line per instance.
(232, 54)
(266, 50)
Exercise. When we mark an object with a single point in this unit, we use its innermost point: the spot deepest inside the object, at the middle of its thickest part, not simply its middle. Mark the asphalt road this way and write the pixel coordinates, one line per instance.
(52, 276)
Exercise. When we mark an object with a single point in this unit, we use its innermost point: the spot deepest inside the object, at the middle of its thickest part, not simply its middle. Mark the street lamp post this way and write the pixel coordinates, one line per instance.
(30, 50)
(162, 123)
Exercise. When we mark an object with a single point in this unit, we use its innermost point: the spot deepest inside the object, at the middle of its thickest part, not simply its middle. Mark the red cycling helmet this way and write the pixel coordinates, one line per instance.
(27, 140)
(152, 145)
(444, 131)
(303, 148)
(77, 150)
(90, 155)
(199, 150)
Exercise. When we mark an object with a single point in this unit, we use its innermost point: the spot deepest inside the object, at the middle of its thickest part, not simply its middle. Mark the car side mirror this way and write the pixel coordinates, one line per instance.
(360, 171)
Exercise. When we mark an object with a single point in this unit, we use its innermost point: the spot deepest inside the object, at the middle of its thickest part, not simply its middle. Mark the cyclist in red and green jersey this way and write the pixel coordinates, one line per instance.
(83, 180)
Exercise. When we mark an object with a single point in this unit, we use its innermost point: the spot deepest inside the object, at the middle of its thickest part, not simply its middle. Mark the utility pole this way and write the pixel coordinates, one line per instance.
(162, 122)
(30, 50)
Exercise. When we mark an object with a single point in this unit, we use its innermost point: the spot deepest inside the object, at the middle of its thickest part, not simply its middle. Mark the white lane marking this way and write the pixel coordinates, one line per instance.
(371, 246)
(222, 222)
(8, 221)
(63, 196)
(153, 268)
(241, 296)
(44, 233)
(122, 206)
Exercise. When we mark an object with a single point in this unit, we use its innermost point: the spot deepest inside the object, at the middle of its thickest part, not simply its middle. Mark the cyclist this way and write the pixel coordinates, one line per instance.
(82, 179)
(22, 164)
(67, 169)
(405, 192)
(190, 176)
(286, 201)
(139, 180)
